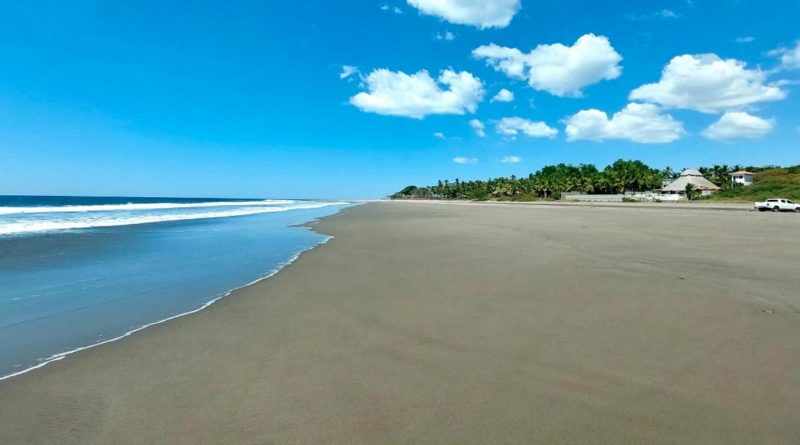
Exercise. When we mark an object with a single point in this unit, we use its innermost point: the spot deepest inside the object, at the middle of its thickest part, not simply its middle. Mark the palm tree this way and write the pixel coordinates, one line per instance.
(667, 173)
(621, 176)
(691, 192)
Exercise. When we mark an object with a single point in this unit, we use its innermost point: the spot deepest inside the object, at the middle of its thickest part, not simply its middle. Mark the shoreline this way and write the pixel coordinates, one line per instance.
(462, 324)
(65, 354)
(726, 206)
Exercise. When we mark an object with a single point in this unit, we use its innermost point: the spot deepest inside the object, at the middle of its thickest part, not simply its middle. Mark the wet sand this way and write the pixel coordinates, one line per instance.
(439, 323)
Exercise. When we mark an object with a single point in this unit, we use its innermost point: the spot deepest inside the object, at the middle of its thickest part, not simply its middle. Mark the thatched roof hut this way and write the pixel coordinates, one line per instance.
(690, 176)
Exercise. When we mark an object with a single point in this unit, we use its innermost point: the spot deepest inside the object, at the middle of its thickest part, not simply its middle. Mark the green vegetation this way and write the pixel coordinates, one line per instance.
(771, 182)
(547, 183)
(691, 192)
(620, 177)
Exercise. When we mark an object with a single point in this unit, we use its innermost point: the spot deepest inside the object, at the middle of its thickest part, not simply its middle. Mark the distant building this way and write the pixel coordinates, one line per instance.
(694, 177)
(742, 177)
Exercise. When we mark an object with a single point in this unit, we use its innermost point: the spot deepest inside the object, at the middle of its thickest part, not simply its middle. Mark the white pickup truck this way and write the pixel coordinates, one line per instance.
(777, 205)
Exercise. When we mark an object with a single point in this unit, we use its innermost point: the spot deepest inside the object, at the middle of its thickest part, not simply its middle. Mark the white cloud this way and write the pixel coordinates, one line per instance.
(667, 14)
(439, 135)
(708, 84)
(745, 39)
(478, 127)
(511, 61)
(464, 160)
(511, 160)
(558, 69)
(396, 93)
(479, 13)
(447, 35)
(642, 123)
(660, 14)
(347, 71)
(503, 96)
(513, 126)
(738, 125)
(394, 9)
(790, 57)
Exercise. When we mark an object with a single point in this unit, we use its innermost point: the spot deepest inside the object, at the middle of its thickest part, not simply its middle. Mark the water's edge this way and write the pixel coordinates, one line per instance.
(306, 225)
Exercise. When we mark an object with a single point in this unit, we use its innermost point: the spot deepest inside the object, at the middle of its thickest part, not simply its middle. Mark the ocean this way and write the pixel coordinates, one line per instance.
(80, 271)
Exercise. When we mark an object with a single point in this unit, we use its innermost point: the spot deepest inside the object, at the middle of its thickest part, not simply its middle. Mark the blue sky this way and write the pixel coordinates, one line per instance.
(250, 99)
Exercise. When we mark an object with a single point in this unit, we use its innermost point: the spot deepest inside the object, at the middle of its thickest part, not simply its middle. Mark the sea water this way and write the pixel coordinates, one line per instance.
(77, 271)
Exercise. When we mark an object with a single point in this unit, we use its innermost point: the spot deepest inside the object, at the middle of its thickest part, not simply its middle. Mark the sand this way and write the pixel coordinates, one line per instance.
(440, 323)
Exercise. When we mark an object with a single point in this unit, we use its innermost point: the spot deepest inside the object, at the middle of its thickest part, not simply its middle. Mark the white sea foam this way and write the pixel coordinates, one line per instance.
(90, 220)
(63, 355)
(140, 206)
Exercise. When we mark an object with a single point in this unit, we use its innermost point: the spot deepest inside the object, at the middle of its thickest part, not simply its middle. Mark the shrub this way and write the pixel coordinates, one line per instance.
(478, 195)
(526, 197)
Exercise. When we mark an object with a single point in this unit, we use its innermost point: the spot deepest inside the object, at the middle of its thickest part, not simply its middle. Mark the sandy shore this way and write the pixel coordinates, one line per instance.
(428, 323)
(683, 205)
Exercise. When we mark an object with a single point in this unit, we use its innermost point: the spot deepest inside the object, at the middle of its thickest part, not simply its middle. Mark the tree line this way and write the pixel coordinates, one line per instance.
(553, 180)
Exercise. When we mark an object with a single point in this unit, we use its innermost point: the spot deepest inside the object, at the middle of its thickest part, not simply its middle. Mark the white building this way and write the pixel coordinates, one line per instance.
(742, 177)
(694, 177)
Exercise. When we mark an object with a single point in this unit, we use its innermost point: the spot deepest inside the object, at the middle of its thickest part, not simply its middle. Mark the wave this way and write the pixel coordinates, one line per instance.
(62, 355)
(141, 206)
(47, 225)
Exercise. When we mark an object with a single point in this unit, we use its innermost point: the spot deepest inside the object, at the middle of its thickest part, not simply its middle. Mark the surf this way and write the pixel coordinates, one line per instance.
(136, 206)
(28, 225)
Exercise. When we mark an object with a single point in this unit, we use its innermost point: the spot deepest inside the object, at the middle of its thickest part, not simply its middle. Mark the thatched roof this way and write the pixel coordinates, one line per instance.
(691, 172)
(690, 176)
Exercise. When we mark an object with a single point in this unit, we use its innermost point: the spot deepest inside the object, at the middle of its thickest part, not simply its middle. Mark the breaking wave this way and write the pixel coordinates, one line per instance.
(131, 214)
(137, 206)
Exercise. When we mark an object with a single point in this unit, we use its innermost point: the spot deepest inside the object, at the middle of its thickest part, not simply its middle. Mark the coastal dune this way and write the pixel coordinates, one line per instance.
(464, 323)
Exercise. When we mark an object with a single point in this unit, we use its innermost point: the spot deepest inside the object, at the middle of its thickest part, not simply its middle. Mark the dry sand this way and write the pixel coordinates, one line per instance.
(432, 323)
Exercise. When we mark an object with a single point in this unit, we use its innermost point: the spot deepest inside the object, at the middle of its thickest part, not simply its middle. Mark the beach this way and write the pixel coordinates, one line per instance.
(464, 323)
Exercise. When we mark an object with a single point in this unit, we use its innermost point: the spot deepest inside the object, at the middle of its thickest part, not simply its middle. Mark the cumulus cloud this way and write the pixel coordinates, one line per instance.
(513, 126)
(503, 96)
(396, 93)
(347, 71)
(745, 39)
(643, 123)
(465, 160)
(479, 13)
(478, 127)
(708, 84)
(511, 160)
(511, 61)
(738, 125)
(790, 57)
(439, 135)
(558, 69)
